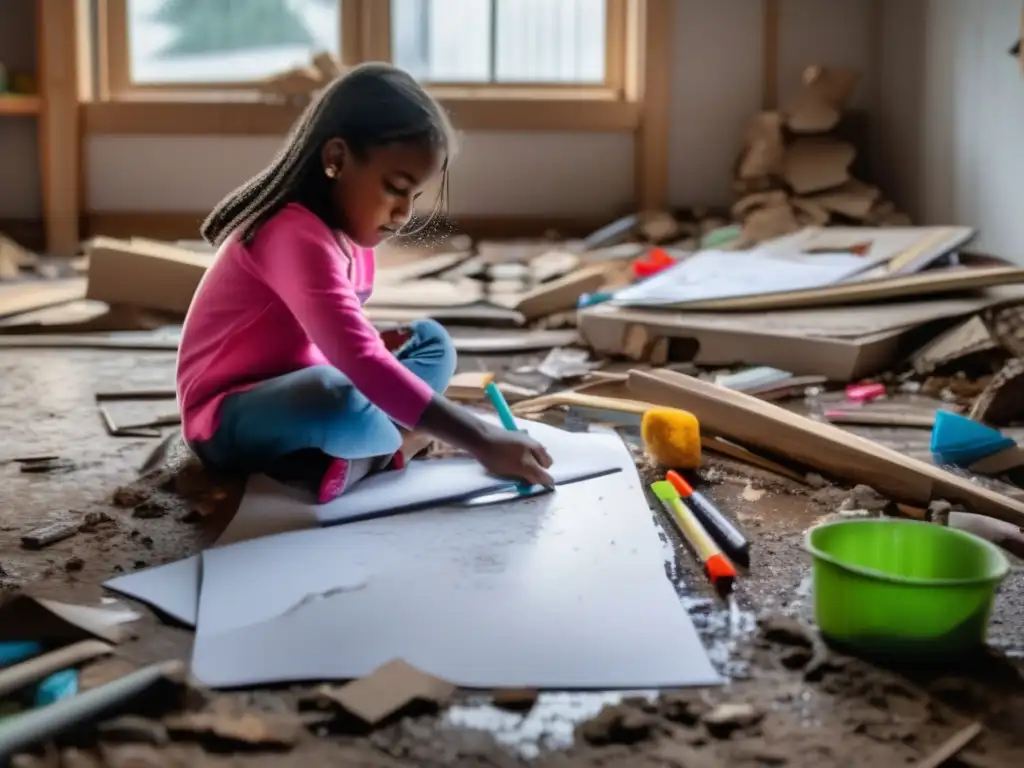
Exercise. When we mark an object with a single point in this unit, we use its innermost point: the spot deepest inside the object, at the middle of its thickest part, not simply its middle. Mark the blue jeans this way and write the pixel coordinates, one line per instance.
(319, 409)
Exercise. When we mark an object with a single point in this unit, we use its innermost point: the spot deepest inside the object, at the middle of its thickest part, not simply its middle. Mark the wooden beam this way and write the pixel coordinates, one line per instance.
(222, 117)
(59, 139)
(652, 45)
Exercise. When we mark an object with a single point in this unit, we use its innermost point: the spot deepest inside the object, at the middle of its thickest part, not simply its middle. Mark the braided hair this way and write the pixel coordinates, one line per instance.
(370, 106)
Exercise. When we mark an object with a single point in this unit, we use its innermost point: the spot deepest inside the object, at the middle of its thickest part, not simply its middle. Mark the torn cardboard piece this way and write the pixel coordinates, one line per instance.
(1002, 401)
(14, 258)
(389, 690)
(853, 199)
(764, 150)
(561, 294)
(468, 386)
(969, 337)
(22, 297)
(814, 165)
(831, 450)
(144, 273)
(819, 105)
(23, 617)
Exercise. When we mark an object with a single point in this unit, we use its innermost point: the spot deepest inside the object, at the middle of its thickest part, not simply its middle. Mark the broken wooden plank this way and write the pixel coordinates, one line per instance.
(753, 422)
(19, 298)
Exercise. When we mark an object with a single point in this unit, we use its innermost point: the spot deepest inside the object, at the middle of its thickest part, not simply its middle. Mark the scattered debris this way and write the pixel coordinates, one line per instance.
(515, 699)
(725, 719)
(49, 534)
(619, 724)
(226, 730)
(393, 688)
(46, 464)
(133, 729)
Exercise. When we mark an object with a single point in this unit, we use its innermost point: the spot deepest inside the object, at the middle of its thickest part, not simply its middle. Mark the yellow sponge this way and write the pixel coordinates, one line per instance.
(671, 437)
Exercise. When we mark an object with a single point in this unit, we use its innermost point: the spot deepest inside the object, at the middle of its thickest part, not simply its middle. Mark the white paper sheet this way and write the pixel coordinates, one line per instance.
(172, 589)
(575, 455)
(566, 590)
(269, 507)
(727, 274)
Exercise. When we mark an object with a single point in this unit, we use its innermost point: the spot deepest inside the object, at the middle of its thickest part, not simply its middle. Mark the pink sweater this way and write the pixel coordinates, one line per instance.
(290, 300)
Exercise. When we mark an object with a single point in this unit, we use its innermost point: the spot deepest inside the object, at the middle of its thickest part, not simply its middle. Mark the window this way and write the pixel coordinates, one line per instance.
(492, 63)
(501, 41)
(192, 44)
(197, 42)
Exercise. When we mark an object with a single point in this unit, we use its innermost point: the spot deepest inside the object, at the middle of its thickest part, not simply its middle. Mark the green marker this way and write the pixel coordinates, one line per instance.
(508, 421)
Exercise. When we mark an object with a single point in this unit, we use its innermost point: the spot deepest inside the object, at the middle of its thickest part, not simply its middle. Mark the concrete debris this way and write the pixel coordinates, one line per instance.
(723, 720)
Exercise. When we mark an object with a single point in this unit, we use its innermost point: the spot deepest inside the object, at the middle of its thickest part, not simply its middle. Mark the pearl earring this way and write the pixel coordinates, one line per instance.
(331, 171)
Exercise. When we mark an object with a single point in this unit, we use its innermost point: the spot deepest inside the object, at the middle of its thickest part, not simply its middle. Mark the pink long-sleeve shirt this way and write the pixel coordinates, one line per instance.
(290, 300)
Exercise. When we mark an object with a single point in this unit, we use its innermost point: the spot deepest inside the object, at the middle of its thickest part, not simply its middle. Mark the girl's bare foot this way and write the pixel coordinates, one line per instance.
(413, 444)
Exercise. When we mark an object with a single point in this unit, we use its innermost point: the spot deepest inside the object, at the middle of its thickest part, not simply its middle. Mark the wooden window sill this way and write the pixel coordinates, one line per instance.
(205, 113)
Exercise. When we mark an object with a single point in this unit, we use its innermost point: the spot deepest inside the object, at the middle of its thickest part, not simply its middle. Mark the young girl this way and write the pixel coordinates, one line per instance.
(279, 369)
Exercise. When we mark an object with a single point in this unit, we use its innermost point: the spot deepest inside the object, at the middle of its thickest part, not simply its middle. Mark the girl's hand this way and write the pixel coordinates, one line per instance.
(514, 455)
(506, 454)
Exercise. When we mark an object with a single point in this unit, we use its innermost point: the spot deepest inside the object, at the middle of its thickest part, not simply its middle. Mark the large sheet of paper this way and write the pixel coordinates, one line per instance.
(269, 508)
(566, 590)
(727, 274)
(575, 455)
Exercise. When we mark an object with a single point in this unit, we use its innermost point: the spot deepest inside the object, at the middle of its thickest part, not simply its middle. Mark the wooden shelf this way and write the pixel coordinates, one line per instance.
(20, 105)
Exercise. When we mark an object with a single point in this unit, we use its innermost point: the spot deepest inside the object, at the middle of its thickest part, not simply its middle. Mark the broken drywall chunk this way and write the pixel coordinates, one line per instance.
(818, 164)
(818, 106)
(853, 199)
(809, 213)
(750, 203)
(769, 223)
(763, 148)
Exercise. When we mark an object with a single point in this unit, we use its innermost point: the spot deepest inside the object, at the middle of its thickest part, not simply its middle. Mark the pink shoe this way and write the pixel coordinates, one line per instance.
(396, 462)
(334, 481)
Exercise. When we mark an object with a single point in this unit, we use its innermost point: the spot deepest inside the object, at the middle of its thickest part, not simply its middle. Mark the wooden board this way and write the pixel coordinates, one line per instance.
(749, 421)
(18, 298)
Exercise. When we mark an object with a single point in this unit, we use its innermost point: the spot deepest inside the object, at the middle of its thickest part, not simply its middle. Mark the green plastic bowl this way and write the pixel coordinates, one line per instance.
(901, 589)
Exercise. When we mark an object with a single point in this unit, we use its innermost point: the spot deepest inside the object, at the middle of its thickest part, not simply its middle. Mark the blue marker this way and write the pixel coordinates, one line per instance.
(17, 651)
(592, 299)
(59, 685)
(508, 421)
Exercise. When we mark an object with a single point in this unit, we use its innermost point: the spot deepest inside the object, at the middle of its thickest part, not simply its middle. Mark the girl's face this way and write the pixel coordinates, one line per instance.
(373, 198)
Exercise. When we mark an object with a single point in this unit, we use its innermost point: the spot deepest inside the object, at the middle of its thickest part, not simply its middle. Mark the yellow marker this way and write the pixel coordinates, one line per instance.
(717, 566)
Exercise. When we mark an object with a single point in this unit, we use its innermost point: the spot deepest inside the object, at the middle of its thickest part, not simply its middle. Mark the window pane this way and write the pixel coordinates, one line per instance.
(196, 41)
(520, 41)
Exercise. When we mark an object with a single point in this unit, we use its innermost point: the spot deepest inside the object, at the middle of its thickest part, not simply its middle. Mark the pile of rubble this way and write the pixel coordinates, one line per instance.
(795, 167)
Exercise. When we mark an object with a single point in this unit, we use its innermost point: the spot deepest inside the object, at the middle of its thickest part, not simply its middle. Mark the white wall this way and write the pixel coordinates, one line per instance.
(716, 86)
(953, 100)
(716, 78)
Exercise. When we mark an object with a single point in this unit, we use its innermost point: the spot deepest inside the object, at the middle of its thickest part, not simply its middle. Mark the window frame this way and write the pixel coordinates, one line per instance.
(364, 35)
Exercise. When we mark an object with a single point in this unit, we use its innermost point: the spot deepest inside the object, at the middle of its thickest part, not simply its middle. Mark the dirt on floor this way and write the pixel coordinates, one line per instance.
(789, 701)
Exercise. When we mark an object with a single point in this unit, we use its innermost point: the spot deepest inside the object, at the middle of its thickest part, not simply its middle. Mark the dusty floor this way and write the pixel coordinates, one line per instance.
(798, 705)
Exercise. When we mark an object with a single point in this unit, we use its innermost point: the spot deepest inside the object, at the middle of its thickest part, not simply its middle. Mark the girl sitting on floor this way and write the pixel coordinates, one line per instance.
(279, 369)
